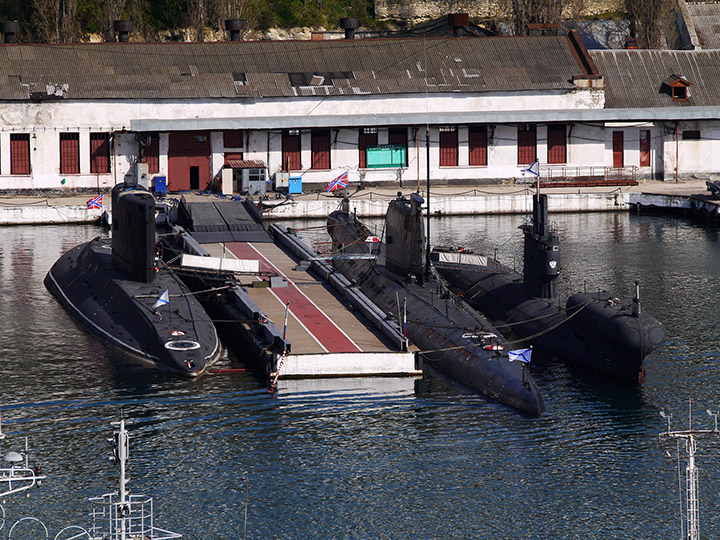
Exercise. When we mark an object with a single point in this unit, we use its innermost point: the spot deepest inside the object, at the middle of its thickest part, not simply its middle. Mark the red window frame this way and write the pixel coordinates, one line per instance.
(448, 146)
(527, 144)
(644, 147)
(557, 143)
(399, 136)
(99, 153)
(69, 153)
(477, 145)
(151, 154)
(320, 149)
(367, 137)
(291, 158)
(618, 147)
(233, 138)
(19, 153)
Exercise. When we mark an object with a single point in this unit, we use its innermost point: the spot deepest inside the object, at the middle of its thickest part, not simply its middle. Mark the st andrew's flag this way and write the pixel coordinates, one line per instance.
(95, 202)
(533, 168)
(163, 300)
(340, 182)
(521, 355)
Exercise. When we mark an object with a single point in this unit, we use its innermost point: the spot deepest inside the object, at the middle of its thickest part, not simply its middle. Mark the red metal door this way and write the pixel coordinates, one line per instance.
(188, 149)
(618, 144)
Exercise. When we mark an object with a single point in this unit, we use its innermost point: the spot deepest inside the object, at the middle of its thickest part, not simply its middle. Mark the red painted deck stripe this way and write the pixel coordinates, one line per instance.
(317, 323)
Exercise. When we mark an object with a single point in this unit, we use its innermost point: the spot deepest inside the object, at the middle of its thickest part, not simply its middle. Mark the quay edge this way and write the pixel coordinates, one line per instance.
(445, 201)
(453, 205)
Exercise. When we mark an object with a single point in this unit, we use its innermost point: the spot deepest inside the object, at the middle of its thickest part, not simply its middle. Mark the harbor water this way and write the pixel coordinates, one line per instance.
(380, 458)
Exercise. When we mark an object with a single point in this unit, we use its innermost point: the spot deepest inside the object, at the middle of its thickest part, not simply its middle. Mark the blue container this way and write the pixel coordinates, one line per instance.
(160, 185)
(295, 185)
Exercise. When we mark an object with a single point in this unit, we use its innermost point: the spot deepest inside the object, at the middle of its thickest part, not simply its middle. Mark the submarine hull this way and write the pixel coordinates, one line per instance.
(177, 337)
(453, 338)
(595, 333)
(114, 290)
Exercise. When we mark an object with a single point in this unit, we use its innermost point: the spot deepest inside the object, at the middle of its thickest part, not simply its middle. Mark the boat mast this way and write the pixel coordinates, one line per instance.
(690, 436)
(121, 445)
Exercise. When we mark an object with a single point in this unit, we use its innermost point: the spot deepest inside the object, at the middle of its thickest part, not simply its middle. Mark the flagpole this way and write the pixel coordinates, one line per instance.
(427, 244)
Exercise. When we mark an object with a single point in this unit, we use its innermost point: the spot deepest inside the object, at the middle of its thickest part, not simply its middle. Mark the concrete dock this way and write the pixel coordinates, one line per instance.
(327, 336)
(372, 202)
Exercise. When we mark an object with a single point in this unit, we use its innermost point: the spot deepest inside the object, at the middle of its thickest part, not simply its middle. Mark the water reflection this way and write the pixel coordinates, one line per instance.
(398, 459)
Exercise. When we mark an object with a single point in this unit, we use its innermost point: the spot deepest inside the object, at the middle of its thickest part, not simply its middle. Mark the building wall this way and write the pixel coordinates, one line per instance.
(588, 144)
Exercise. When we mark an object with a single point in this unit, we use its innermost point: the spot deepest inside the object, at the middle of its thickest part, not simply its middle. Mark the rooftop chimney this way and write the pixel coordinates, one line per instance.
(458, 21)
(9, 28)
(349, 24)
(235, 27)
(123, 29)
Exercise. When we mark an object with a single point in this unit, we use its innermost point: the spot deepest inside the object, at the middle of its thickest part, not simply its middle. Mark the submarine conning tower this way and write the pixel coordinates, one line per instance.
(542, 253)
(405, 237)
(133, 231)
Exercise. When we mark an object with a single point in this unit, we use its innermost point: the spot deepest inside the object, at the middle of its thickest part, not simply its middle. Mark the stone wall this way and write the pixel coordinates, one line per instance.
(422, 10)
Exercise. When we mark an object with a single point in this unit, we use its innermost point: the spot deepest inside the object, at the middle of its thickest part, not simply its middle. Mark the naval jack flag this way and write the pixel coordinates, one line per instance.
(533, 168)
(163, 300)
(521, 355)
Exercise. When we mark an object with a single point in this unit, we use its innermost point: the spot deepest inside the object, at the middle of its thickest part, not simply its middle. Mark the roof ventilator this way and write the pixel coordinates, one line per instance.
(458, 21)
(349, 24)
(123, 29)
(235, 27)
(9, 29)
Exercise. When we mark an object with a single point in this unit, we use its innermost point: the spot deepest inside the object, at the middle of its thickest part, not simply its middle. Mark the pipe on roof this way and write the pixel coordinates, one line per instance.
(123, 29)
(349, 24)
(9, 29)
(458, 21)
(235, 27)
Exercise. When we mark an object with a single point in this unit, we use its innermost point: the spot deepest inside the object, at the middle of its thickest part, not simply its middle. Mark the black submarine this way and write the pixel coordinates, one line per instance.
(453, 338)
(123, 295)
(596, 331)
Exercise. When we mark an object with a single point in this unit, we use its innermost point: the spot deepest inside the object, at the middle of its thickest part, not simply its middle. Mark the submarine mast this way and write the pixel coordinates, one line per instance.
(541, 266)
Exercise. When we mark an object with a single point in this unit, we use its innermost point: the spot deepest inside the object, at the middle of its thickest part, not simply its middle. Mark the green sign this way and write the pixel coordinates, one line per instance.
(385, 156)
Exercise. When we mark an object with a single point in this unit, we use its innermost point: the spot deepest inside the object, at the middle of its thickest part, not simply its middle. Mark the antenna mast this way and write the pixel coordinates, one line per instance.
(691, 479)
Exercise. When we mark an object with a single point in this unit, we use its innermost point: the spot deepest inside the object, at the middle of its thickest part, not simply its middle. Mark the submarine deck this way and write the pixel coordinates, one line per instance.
(327, 338)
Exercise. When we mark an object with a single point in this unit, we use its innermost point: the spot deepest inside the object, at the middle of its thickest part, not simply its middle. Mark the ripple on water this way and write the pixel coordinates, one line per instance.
(384, 459)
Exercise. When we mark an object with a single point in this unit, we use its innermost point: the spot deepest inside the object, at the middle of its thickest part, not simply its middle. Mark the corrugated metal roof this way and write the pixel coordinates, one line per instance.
(205, 70)
(245, 164)
(635, 78)
(706, 19)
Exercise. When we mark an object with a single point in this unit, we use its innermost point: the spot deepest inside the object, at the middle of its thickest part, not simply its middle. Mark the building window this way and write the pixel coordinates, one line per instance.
(69, 153)
(99, 153)
(151, 153)
(291, 150)
(679, 93)
(618, 149)
(448, 146)
(397, 136)
(691, 135)
(19, 153)
(320, 149)
(368, 137)
(644, 147)
(557, 148)
(527, 144)
(233, 139)
(477, 145)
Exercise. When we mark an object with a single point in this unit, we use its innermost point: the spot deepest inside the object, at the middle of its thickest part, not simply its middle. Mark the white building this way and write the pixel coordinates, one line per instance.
(87, 116)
